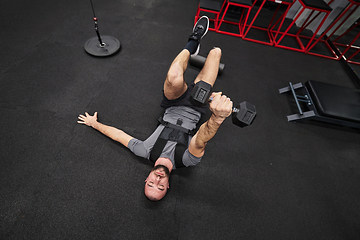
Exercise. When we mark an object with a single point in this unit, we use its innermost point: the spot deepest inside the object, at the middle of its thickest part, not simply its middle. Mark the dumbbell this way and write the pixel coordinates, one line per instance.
(199, 61)
(242, 115)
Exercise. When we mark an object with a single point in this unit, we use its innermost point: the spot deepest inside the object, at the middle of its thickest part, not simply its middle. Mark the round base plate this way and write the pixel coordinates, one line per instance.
(93, 47)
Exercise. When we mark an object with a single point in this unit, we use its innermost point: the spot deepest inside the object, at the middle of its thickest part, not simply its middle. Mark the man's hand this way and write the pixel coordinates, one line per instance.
(221, 106)
(88, 119)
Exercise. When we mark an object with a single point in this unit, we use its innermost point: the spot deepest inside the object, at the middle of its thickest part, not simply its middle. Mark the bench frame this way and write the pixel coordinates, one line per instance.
(311, 113)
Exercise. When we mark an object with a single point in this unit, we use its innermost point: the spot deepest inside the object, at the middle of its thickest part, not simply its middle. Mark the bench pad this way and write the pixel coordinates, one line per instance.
(335, 101)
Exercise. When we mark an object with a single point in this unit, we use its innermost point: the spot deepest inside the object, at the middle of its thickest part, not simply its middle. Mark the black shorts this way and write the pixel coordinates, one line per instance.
(183, 100)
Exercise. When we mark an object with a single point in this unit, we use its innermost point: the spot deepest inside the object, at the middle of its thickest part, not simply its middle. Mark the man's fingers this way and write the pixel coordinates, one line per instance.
(218, 101)
(224, 103)
(224, 100)
(214, 94)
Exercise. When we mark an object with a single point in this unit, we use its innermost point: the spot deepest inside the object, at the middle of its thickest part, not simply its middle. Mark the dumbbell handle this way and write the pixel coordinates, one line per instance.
(234, 109)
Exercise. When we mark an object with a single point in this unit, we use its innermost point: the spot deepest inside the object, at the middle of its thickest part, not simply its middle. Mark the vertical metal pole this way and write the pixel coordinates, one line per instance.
(96, 26)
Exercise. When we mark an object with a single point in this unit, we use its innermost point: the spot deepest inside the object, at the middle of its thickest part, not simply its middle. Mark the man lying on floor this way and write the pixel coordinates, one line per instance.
(171, 145)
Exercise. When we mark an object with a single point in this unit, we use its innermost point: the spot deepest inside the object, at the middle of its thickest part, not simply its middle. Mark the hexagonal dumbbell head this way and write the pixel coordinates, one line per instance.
(244, 114)
(200, 94)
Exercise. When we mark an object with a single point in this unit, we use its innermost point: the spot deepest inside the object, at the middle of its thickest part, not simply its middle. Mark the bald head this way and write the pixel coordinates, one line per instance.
(157, 183)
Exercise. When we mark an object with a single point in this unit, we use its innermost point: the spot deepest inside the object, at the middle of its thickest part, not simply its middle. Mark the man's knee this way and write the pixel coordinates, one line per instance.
(215, 53)
(175, 75)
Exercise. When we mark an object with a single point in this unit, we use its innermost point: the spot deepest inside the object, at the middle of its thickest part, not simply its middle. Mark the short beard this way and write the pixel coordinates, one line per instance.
(166, 170)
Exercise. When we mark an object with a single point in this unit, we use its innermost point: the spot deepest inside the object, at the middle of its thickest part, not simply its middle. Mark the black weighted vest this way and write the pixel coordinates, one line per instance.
(174, 133)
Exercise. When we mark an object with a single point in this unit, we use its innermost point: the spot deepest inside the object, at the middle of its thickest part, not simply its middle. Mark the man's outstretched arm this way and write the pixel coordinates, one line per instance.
(221, 107)
(112, 132)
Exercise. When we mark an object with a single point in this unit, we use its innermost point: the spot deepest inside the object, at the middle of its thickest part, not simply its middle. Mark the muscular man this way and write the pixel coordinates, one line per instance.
(172, 145)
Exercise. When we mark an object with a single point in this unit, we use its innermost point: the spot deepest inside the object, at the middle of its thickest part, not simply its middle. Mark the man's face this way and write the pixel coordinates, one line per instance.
(157, 183)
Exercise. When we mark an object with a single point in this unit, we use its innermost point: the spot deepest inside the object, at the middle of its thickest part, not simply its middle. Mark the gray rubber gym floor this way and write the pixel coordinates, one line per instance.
(63, 180)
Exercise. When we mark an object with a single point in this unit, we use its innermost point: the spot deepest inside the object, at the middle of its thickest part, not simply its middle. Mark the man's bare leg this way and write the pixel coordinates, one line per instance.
(175, 85)
(210, 70)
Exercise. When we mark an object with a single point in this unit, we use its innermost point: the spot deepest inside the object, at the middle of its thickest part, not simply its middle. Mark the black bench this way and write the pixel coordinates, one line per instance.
(326, 103)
